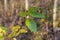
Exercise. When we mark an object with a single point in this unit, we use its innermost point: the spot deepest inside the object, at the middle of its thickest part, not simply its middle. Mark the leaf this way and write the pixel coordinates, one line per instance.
(4, 28)
(23, 14)
(15, 29)
(21, 31)
(36, 14)
(14, 34)
(33, 12)
(1, 34)
(33, 9)
(3, 31)
(1, 38)
(31, 25)
(10, 35)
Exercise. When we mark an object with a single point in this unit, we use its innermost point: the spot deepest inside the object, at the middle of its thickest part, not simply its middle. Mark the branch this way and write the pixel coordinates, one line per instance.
(54, 12)
(5, 5)
(26, 4)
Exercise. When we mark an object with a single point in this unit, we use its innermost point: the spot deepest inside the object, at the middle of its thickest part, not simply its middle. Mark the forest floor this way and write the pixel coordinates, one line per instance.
(45, 29)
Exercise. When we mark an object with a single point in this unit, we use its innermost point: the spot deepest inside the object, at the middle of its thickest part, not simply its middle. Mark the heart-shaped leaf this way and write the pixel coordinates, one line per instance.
(31, 25)
(23, 14)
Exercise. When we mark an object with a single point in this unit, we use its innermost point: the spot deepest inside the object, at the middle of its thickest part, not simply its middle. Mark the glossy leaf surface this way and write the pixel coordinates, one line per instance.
(33, 12)
(31, 25)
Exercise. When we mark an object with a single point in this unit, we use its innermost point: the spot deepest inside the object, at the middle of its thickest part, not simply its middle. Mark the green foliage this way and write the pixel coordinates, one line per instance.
(23, 14)
(21, 31)
(36, 15)
(16, 31)
(31, 25)
(15, 28)
(33, 11)
(1, 37)
(3, 31)
(4, 28)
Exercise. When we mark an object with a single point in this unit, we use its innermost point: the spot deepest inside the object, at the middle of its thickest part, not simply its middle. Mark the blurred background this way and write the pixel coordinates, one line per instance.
(10, 9)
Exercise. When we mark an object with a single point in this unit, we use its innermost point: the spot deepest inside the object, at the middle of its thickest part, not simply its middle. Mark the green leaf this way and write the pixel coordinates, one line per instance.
(4, 28)
(21, 31)
(1, 38)
(36, 15)
(33, 9)
(14, 34)
(15, 29)
(33, 12)
(2, 31)
(23, 14)
(31, 25)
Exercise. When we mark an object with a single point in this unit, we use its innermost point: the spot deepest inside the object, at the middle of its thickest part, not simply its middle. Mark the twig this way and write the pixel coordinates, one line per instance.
(54, 15)
(26, 4)
(54, 12)
(5, 5)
